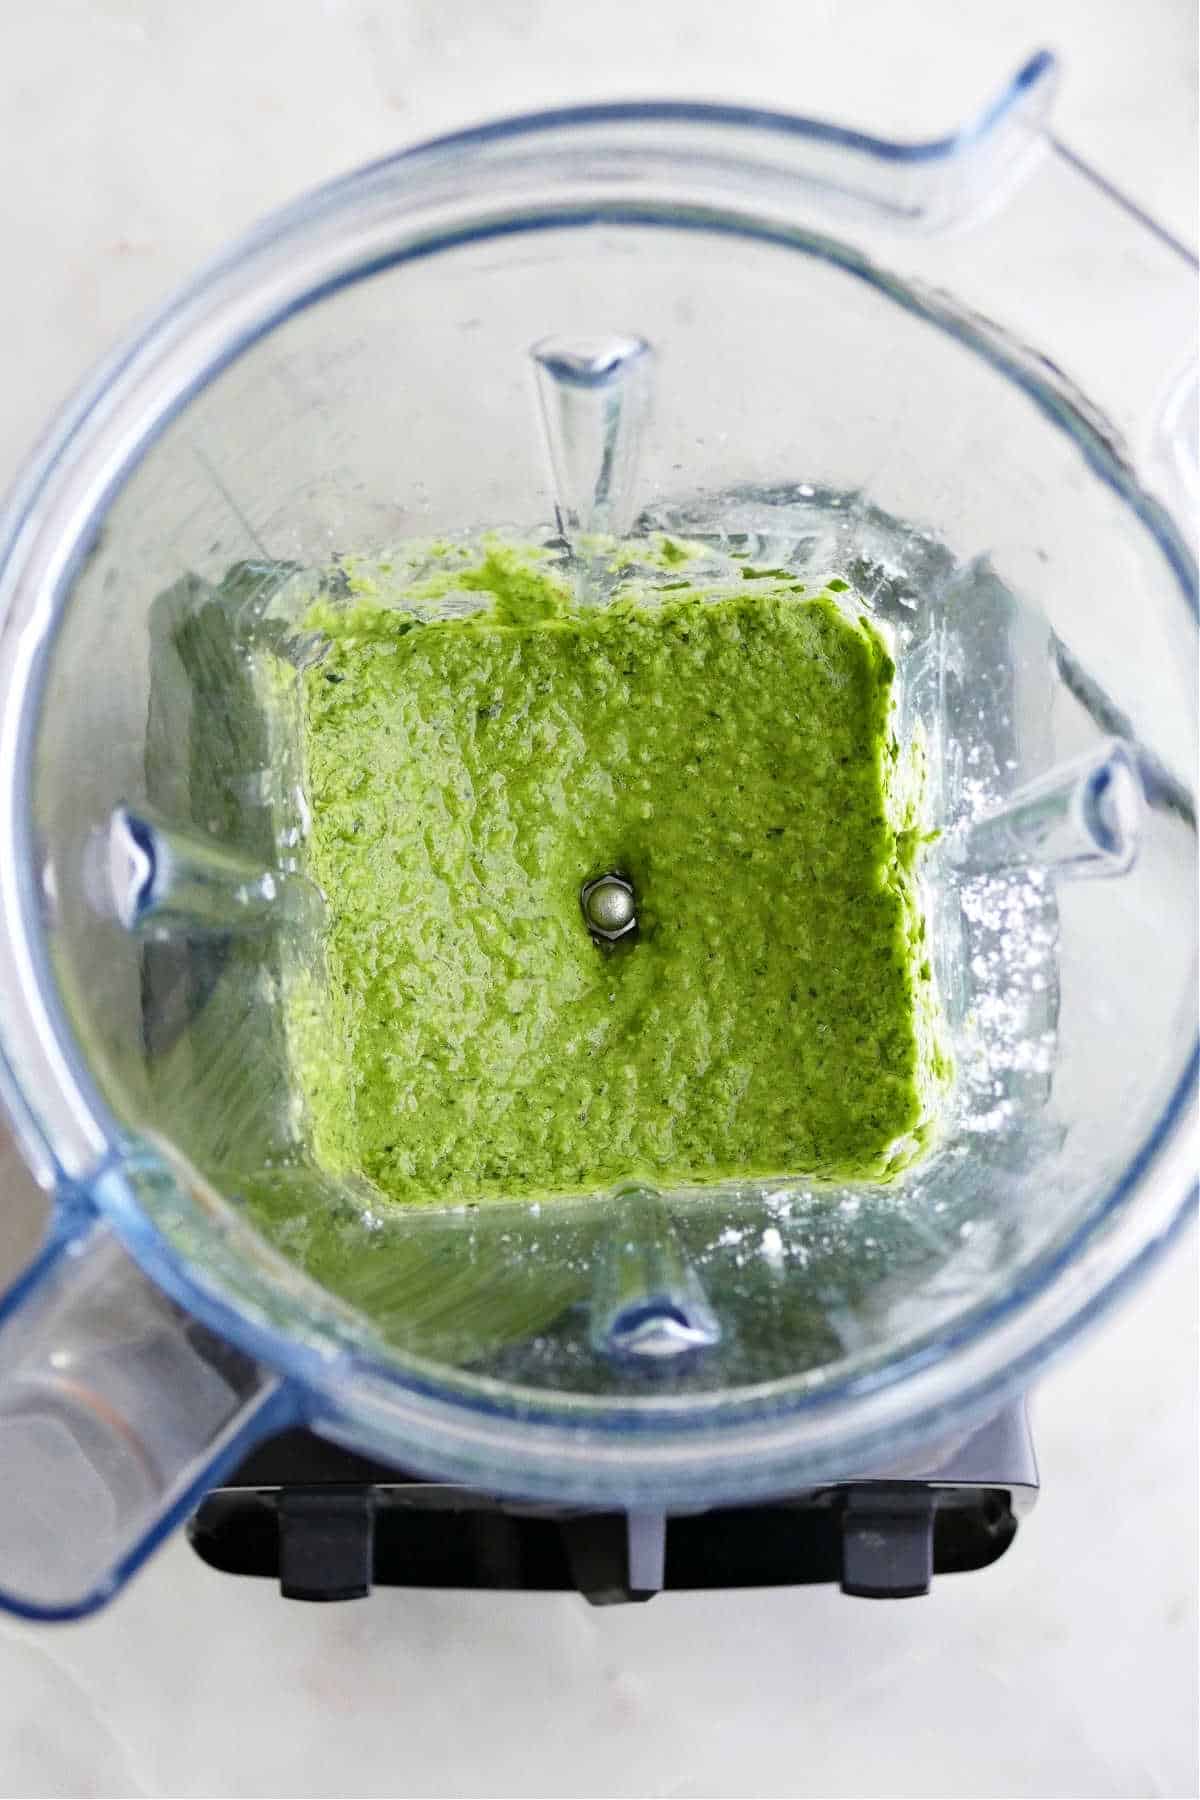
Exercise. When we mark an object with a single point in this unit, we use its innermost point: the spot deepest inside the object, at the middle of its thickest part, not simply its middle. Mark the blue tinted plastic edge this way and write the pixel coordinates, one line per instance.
(1039, 68)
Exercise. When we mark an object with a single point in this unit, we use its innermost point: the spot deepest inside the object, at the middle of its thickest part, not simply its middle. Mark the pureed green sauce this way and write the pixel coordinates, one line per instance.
(734, 758)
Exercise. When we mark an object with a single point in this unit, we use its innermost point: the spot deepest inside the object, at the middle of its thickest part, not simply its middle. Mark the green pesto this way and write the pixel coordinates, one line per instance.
(734, 757)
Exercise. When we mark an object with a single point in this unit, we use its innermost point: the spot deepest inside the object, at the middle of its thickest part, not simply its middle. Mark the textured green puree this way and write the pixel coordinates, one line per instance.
(735, 757)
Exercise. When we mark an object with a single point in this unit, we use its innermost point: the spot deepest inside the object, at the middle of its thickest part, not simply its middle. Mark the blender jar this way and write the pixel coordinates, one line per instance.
(771, 337)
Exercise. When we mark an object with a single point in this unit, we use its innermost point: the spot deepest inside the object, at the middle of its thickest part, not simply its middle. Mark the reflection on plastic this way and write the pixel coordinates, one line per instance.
(1083, 818)
(595, 397)
(648, 1303)
(161, 876)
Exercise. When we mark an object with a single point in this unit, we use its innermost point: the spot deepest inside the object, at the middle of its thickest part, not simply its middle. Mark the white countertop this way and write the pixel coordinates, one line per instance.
(139, 135)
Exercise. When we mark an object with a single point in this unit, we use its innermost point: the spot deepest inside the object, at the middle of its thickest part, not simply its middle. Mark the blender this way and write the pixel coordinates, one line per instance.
(773, 338)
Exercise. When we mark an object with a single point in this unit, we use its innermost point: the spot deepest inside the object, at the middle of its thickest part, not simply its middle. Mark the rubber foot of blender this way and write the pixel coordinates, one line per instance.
(887, 1543)
(616, 1558)
(326, 1544)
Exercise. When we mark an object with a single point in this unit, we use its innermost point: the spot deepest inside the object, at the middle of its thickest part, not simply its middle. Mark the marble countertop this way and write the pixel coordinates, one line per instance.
(139, 135)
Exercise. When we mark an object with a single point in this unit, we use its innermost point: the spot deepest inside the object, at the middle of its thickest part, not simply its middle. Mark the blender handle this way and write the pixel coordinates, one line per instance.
(118, 1411)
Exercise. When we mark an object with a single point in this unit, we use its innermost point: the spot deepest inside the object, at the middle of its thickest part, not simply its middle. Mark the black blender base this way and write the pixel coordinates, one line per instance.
(329, 1525)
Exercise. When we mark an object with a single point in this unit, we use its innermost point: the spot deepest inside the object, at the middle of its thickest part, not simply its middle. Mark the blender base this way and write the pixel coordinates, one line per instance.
(329, 1525)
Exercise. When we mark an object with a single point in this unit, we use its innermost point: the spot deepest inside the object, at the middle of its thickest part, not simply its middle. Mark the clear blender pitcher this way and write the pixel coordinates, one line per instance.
(772, 337)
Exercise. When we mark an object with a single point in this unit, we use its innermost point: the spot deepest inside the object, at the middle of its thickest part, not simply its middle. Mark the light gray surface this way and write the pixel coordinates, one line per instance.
(140, 134)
